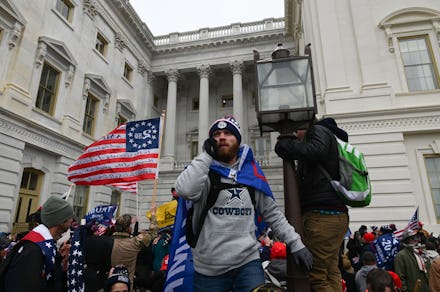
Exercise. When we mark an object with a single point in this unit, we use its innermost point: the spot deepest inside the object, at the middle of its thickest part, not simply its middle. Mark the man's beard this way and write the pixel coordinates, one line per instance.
(226, 154)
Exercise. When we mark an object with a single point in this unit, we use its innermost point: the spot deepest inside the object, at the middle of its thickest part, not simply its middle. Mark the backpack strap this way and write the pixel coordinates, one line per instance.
(216, 187)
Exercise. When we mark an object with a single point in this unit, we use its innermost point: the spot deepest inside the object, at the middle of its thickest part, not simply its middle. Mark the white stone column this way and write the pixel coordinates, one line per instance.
(169, 141)
(237, 69)
(204, 72)
(150, 95)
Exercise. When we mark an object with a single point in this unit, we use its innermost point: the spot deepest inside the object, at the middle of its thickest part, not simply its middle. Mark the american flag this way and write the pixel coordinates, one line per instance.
(412, 224)
(75, 273)
(41, 236)
(129, 153)
(130, 187)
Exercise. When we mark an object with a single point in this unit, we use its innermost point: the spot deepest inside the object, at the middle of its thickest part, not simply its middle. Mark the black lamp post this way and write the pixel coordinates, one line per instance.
(286, 102)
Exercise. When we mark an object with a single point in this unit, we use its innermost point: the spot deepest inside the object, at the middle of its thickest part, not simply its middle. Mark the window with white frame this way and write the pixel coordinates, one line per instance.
(116, 200)
(90, 114)
(413, 35)
(65, 8)
(101, 44)
(57, 67)
(80, 201)
(195, 104)
(433, 171)
(96, 96)
(418, 63)
(128, 72)
(47, 89)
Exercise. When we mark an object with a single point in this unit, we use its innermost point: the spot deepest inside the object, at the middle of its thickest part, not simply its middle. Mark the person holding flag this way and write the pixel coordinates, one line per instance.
(225, 248)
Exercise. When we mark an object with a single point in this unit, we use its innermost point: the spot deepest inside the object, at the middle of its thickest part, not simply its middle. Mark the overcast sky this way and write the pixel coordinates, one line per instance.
(165, 16)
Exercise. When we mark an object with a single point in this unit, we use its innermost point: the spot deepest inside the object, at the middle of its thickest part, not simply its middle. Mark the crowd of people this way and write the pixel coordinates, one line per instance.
(414, 261)
(116, 258)
(239, 238)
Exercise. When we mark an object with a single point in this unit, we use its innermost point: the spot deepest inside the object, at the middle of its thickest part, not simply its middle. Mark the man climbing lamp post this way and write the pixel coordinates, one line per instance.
(286, 102)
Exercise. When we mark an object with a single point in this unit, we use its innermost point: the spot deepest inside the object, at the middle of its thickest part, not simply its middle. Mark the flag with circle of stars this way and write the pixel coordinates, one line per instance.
(75, 273)
(142, 135)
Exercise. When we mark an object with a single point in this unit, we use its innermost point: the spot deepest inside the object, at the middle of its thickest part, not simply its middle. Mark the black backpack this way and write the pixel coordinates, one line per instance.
(4, 264)
(192, 236)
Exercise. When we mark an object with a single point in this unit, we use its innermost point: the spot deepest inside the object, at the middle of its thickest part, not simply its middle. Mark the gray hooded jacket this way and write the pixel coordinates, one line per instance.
(227, 239)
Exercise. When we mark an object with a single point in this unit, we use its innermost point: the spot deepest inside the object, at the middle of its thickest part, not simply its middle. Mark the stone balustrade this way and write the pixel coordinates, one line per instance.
(234, 29)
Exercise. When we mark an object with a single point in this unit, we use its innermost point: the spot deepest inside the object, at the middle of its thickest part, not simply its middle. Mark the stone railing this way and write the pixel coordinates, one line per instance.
(220, 32)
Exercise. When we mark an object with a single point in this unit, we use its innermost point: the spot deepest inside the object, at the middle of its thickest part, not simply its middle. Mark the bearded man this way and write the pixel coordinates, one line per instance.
(225, 250)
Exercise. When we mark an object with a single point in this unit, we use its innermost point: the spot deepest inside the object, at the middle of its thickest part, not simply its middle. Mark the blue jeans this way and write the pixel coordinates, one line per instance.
(242, 279)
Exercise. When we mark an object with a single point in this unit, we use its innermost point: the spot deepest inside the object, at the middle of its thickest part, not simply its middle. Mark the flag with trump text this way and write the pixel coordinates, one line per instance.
(412, 224)
(129, 153)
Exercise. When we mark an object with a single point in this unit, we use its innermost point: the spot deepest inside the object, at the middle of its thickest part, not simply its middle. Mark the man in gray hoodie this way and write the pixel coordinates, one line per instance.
(226, 256)
(369, 263)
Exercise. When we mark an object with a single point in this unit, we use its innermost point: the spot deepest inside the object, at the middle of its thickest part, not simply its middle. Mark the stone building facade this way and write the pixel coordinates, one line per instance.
(72, 70)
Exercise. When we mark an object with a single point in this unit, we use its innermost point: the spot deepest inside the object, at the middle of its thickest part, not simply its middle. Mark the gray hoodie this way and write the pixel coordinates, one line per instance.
(227, 239)
(361, 277)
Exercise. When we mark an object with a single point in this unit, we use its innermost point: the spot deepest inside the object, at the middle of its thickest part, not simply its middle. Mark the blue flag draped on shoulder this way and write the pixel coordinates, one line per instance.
(249, 173)
(180, 266)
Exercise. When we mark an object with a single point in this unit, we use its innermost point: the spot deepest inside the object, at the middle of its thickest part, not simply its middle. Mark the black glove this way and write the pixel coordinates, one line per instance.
(209, 146)
(303, 256)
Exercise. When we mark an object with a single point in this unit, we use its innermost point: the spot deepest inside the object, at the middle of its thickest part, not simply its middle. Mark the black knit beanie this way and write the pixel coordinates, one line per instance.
(330, 124)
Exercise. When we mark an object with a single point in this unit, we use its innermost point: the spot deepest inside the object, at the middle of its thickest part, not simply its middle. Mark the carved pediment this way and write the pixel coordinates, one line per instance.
(98, 84)
(58, 50)
(410, 15)
(10, 13)
(126, 108)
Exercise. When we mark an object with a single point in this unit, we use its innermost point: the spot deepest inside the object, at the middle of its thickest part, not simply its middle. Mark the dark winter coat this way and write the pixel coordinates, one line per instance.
(406, 267)
(98, 259)
(25, 271)
(319, 148)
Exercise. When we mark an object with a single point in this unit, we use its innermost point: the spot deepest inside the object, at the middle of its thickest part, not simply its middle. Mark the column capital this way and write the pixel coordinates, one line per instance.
(236, 67)
(173, 74)
(204, 71)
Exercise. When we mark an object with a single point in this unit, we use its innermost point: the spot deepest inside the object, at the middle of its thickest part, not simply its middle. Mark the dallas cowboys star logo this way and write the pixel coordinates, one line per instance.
(234, 195)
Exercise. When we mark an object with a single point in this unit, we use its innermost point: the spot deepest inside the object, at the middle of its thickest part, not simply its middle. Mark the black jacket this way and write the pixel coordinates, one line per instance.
(319, 148)
(98, 259)
(25, 269)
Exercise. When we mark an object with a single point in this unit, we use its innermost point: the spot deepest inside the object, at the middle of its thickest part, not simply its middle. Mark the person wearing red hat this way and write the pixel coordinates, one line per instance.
(277, 267)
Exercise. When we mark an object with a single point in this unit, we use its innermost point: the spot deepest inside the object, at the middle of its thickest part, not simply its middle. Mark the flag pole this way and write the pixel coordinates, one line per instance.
(68, 192)
(137, 201)
(153, 199)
